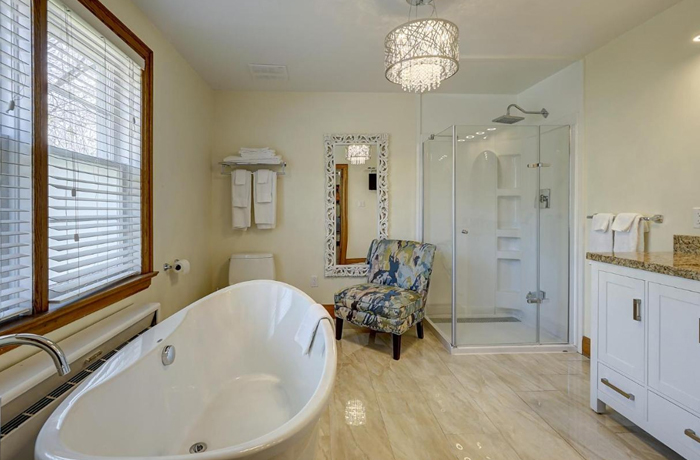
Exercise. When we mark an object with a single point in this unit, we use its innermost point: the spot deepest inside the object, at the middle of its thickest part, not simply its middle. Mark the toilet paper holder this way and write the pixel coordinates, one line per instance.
(178, 266)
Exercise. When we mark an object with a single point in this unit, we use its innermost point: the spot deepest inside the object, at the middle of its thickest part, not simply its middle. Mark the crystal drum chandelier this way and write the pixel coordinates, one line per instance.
(357, 154)
(422, 53)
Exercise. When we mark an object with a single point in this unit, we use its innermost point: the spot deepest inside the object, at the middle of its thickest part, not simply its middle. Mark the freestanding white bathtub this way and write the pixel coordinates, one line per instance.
(239, 385)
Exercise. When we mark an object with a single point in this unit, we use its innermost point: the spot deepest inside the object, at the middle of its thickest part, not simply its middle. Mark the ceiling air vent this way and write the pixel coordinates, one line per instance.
(268, 72)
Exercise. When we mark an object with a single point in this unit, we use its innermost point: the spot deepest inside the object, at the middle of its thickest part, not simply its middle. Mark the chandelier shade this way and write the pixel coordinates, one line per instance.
(357, 154)
(420, 54)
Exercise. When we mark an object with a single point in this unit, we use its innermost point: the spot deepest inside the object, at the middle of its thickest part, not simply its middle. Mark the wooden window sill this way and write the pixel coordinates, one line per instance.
(43, 323)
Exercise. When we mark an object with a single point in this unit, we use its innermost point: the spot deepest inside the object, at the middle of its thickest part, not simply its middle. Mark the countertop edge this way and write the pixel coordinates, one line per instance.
(663, 269)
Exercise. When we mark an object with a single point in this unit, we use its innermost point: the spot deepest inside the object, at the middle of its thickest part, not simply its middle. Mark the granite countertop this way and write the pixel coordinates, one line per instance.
(681, 265)
(683, 262)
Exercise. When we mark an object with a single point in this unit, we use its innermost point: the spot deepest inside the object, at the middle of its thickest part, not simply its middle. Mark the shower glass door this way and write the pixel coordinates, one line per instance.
(498, 210)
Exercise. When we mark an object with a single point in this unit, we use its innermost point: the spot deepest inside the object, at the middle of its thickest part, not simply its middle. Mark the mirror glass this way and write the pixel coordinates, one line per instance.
(355, 201)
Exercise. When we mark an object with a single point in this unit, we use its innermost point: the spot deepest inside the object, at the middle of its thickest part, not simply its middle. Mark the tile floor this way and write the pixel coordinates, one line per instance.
(432, 405)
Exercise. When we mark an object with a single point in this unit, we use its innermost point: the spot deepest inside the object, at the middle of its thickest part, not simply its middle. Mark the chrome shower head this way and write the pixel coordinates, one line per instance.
(510, 119)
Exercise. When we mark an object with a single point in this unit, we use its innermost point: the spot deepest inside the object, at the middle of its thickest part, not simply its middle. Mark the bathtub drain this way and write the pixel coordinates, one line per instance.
(198, 448)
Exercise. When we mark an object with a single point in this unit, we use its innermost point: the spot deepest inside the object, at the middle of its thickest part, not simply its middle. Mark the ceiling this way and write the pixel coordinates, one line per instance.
(337, 45)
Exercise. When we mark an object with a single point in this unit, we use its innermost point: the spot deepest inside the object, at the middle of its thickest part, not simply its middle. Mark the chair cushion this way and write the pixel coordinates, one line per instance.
(380, 300)
(370, 320)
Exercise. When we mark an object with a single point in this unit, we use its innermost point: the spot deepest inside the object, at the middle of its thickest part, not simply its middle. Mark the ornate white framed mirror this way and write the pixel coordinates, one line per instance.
(357, 199)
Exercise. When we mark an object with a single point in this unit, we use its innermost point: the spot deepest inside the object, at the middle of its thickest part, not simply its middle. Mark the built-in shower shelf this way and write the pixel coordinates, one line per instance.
(508, 232)
(508, 192)
(511, 255)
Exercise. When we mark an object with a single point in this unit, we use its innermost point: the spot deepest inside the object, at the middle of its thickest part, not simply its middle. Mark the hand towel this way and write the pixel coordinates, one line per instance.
(601, 221)
(631, 239)
(309, 326)
(600, 237)
(240, 199)
(263, 186)
(266, 212)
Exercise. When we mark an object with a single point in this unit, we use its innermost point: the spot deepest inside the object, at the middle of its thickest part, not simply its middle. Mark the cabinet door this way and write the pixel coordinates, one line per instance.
(621, 319)
(674, 344)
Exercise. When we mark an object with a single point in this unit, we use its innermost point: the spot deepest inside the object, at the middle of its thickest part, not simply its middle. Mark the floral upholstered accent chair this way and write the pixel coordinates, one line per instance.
(393, 298)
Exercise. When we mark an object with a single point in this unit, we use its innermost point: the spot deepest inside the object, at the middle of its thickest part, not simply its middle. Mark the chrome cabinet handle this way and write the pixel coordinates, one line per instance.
(465, 231)
(607, 383)
(637, 309)
(691, 434)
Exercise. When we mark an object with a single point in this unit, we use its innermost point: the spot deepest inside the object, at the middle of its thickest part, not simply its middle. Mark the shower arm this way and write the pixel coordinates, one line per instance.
(542, 112)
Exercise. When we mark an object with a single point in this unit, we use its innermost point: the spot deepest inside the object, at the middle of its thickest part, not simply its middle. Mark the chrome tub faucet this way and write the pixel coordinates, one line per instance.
(49, 346)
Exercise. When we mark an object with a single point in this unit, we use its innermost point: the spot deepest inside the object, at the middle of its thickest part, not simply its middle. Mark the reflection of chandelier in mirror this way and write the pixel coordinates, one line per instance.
(357, 154)
(420, 54)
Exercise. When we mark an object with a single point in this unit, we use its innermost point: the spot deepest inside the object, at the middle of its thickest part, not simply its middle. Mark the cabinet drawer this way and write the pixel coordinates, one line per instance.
(621, 324)
(674, 344)
(674, 426)
(622, 394)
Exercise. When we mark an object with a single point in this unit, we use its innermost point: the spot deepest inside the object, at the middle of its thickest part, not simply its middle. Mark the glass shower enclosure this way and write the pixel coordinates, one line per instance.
(496, 204)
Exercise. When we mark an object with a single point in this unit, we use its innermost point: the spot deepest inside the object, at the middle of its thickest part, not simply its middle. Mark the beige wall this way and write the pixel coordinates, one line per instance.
(294, 125)
(642, 93)
(182, 179)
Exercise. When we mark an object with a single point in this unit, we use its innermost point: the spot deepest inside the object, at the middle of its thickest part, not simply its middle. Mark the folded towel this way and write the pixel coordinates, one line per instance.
(263, 186)
(240, 177)
(240, 199)
(632, 239)
(601, 222)
(261, 154)
(266, 211)
(256, 149)
(600, 237)
(309, 326)
(263, 176)
(623, 222)
(274, 160)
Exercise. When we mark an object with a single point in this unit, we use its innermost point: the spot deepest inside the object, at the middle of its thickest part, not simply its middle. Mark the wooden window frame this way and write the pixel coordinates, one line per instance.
(44, 319)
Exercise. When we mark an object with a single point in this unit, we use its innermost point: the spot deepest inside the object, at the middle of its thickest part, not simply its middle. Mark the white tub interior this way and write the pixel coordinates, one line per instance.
(236, 359)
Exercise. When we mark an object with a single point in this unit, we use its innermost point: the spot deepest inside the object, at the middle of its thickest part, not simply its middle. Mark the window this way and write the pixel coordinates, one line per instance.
(15, 159)
(75, 159)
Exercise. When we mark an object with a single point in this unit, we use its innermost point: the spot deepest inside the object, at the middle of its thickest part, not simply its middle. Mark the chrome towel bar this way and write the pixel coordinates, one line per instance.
(657, 218)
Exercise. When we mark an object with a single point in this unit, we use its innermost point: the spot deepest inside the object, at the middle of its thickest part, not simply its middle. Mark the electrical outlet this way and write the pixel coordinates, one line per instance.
(314, 281)
(696, 217)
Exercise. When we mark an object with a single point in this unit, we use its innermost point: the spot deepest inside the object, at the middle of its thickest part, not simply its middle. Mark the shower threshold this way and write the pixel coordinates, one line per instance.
(497, 319)
(438, 327)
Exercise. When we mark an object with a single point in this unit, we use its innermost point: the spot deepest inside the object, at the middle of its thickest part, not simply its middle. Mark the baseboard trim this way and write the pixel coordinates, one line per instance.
(586, 347)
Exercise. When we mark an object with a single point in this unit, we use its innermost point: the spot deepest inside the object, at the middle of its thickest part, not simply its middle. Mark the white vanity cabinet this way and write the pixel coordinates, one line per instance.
(645, 352)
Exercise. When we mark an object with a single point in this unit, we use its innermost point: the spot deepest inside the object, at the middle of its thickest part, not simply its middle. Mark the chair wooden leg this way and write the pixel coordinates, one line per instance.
(419, 329)
(338, 328)
(397, 346)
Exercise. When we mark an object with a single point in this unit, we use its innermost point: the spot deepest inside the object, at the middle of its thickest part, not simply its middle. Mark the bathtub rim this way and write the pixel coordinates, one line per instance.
(49, 439)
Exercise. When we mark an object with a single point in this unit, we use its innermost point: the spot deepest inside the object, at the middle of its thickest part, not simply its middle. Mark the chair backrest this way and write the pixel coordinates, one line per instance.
(401, 263)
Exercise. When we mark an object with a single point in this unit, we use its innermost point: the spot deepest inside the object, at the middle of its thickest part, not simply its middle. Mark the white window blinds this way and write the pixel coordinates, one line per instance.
(15, 158)
(94, 158)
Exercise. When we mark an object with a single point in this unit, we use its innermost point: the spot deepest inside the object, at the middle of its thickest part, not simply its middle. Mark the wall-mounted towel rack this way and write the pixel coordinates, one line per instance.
(228, 166)
(656, 218)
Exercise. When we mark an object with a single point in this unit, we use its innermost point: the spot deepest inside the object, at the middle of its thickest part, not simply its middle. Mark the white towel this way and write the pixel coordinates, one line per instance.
(266, 212)
(240, 199)
(624, 221)
(263, 186)
(257, 154)
(601, 221)
(631, 239)
(600, 238)
(273, 160)
(309, 326)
